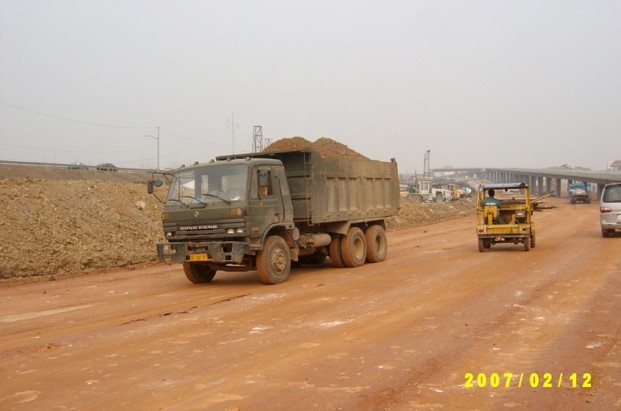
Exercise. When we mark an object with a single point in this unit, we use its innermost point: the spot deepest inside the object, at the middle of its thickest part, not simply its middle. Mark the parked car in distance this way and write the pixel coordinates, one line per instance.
(78, 166)
(610, 209)
(107, 167)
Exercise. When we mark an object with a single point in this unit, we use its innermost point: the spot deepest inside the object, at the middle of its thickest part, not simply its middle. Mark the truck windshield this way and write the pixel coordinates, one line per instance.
(222, 183)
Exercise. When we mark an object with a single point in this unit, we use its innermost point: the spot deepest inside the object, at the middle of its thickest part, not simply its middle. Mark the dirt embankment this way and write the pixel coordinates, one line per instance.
(58, 221)
(54, 227)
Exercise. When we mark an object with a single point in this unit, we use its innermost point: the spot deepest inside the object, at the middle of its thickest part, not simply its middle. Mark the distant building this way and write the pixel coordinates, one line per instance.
(614, 165)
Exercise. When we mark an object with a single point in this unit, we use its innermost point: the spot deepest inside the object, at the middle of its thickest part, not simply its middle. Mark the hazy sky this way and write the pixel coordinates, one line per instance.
(479, 83)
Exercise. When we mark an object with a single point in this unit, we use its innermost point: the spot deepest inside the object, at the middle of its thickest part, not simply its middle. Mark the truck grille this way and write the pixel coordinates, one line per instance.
(189, 231)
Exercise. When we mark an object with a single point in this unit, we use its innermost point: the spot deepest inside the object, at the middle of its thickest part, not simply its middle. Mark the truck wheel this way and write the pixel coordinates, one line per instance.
(377, 244)
(354, 248)
(481, 245)
(532, 241)
(198, 273)
(336, 254)
(274, 261)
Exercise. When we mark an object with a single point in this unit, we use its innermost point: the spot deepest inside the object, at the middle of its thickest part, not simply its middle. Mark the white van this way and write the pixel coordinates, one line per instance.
(610, 209)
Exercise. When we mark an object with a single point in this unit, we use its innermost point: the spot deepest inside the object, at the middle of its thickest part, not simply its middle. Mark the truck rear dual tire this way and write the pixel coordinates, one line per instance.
(377, 243)
(274, 261)
(198, 273)
(354, 248)
(358, 247)
(336, 253)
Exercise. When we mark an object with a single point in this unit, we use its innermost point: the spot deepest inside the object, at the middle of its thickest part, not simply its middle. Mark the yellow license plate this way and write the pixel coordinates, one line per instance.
(199, 257)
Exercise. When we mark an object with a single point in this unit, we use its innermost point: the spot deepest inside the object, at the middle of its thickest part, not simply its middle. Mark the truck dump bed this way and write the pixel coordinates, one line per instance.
(327, 190)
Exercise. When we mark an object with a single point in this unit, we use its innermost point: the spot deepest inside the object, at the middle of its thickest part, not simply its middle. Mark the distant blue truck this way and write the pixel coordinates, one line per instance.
(578, 193)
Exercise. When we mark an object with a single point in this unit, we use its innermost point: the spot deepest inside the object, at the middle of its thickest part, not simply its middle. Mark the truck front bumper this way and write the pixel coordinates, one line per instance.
(218, 252)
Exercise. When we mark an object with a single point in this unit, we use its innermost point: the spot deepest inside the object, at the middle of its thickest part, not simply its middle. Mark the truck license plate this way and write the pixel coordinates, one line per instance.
(198, 257)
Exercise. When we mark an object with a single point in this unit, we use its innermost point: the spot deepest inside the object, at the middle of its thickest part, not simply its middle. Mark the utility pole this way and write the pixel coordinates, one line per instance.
(158, 149)
(233, 124)
(158, 146)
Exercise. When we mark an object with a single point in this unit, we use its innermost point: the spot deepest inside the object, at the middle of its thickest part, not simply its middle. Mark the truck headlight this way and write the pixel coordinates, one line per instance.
(520, 214)
(235, 231)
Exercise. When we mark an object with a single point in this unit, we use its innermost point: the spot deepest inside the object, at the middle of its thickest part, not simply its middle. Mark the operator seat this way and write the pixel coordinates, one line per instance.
(491, 214)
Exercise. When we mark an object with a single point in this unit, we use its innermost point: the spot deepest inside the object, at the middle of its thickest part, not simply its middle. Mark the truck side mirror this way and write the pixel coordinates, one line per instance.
(153, 183)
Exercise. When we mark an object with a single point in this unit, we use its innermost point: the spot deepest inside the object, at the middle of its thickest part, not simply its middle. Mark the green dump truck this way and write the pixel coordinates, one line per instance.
(265, 211)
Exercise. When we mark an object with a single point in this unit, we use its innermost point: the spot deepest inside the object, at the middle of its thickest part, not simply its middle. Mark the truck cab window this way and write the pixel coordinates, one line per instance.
(264, 183)
(282, 180)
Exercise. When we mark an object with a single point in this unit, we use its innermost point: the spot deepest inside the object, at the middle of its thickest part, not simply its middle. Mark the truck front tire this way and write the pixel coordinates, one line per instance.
(198, 273)
(354, 248)
(377, 243)
(274, 261)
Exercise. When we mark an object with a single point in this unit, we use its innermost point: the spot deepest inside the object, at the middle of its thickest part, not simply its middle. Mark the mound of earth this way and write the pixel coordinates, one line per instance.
(55, 226)
(416, 213)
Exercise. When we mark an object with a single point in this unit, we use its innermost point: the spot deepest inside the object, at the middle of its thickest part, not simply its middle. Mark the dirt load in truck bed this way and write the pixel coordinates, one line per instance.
(327, 147)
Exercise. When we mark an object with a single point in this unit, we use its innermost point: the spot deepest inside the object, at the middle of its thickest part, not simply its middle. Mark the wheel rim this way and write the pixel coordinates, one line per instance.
(279, 260)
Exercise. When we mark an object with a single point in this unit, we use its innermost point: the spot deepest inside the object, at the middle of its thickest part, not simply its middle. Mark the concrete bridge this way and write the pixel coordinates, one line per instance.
(541, 180)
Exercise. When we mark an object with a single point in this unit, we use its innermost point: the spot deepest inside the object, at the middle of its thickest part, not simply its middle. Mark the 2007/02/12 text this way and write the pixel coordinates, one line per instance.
(532, 380)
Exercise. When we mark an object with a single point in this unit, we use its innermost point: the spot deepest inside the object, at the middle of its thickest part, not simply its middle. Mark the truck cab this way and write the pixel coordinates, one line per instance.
(216, 215)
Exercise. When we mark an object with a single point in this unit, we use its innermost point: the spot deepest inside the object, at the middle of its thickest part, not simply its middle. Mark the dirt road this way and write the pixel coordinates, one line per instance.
(404, 334)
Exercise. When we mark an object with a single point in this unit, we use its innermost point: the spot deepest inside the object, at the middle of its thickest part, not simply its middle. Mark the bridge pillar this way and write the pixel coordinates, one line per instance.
(600, 188)
(540, 188)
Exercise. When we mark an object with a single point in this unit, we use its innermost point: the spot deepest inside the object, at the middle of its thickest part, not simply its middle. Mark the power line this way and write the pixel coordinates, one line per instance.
(28, 110)
(69, 119)
(212, 142)
(73, 151)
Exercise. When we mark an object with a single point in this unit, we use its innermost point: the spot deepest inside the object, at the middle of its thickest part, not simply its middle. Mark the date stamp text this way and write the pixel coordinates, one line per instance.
(527, 380)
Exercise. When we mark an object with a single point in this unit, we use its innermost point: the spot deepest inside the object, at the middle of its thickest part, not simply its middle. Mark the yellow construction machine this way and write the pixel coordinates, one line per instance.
(504, 215)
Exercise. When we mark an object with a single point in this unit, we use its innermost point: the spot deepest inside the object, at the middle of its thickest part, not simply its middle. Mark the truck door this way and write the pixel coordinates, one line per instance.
(265, 205)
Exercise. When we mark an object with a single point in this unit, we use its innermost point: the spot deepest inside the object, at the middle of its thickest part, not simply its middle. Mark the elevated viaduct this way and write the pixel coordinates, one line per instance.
(540, 180)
